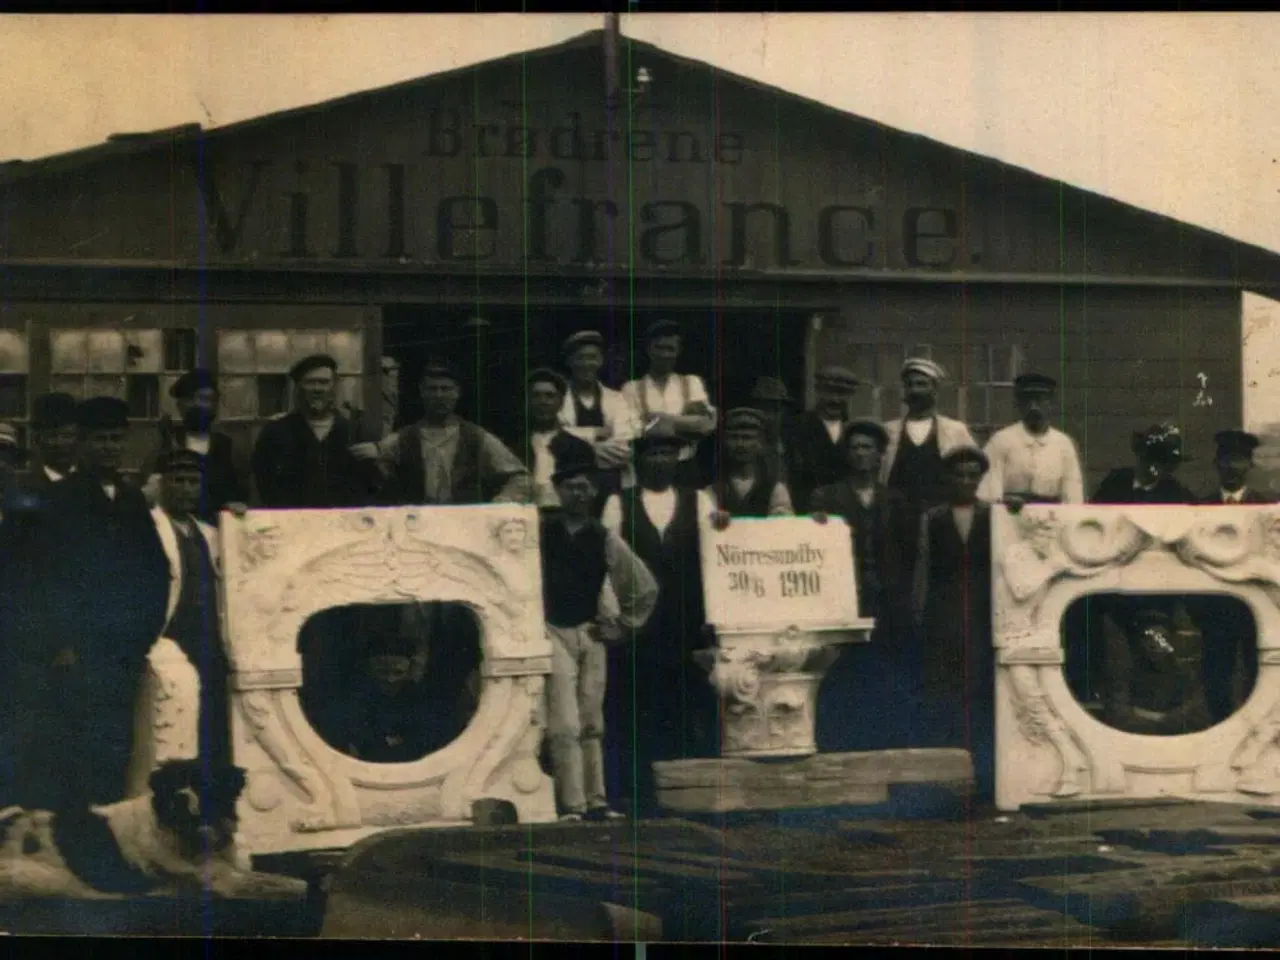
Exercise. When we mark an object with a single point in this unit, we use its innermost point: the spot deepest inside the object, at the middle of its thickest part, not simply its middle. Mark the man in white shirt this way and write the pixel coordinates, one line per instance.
(604, 418)
(672, 404)
(1031, 460)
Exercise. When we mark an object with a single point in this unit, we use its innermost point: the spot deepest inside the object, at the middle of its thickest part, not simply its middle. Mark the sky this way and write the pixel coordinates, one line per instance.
(1175, 113)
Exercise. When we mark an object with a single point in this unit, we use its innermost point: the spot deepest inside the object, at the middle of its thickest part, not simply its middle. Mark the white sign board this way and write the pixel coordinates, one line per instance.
(778, 572)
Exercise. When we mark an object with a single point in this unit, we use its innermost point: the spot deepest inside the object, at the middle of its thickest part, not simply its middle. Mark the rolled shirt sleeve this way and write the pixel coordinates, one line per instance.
(501, 462)
(634, 589)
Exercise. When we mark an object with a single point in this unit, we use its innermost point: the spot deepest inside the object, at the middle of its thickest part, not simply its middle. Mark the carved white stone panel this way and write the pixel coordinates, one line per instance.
(283, 566)
(1047, 745)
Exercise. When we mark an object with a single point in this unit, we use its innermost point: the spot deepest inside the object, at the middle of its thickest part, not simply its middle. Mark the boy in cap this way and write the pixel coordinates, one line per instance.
(671, 404)
(193, 624)
(444, 459)
(80, 669)
(1032, 461)
(913, 461)
(952, 599)
(1234, 462)
(858, 703)
(675, 709)
(750, 488)
(816, 457)
(578, 553)
(196, 395)
(603, 417)
(305, 459)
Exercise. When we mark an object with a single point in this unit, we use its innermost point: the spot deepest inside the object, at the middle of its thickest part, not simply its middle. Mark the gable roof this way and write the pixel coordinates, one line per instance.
(120, 145)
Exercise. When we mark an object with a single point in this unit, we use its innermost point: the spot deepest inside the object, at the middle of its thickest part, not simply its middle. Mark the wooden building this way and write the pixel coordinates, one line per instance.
(489, 211)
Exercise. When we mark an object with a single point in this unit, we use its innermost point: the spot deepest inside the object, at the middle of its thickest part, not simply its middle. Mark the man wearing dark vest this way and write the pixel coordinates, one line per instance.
(1230, 642)
(918, 443)
(191, 546)
(444, 459)
(305, 459)
(860, 700)
(79, 677)
(675, 707)
(816, 458)
(750, 487)
(671, 404)
(546, 399)
(577, 554)
(196, 395)
(955, 706)
(602, 417)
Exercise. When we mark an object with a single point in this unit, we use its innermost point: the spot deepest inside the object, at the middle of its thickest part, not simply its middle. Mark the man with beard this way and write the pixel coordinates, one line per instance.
(816, 458)
(578, 554)
(77, 674)
(191, 546)
(750, 488)
(1032, 461)
(196, 395)
(1230, 635)
(860, 701)
(602, 417)
(917, 445)
(661, 703)
(955, 703)
(304, 460)
(672, 404)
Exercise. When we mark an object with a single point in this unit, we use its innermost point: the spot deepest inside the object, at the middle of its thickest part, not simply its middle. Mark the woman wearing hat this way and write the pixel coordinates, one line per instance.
(671, 404)
(603, 417)
(1158, 452)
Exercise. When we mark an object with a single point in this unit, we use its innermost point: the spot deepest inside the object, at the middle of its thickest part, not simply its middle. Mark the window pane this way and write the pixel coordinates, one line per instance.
(104, 387)
(13, 352)
(273, 351)
(979, 363)
(239, 397)
(144, 397)
(920, 350)
(235, 352)
(168, 405)
(70, 385)
(273, 394)
(949, 359)
(179, 349)
(863, 362)
(1001, 363)
(891, 401)
(69, 349)
(347, 347)
(144, 351)
(13, 396)
(1002, 408)
(351, 390)
(303, 343)
(948, 398)
(106, 351)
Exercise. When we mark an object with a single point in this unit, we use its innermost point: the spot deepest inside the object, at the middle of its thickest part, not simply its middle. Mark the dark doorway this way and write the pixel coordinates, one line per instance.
(729, 350)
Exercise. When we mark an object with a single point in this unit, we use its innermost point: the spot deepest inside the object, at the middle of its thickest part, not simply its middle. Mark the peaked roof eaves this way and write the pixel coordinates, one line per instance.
(175, 137)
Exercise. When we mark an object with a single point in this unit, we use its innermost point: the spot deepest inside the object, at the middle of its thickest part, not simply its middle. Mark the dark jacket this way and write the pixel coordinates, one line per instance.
(1250, 496)
(879, 533)
(813, 460)
(1118, 487)
(224, 482)
(295, 470)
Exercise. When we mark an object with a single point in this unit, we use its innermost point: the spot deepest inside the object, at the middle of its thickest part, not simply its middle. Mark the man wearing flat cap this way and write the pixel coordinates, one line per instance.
(546, 390)
(1234, 462)
(54, 435)
(578, 556)
(859, 701)
(750, 487)
(661, 706)
(671, 404)
(193, 625)
(444, 459)
(955, 706)
(769, 395)
(304, 460)
(601, 416)
(76, 674)
(815, 456)
(1032, 461)
(918, 443)
(196, 396)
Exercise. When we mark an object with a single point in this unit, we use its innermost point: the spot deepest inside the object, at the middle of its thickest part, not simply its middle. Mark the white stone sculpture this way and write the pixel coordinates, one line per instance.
(167, 723)
(1047, 745)
(283, 566)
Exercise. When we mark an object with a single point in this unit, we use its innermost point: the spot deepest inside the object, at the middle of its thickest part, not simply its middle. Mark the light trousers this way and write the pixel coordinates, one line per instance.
(575, 717)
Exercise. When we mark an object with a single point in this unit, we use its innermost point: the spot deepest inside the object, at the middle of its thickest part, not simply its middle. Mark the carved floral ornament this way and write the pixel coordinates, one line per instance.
(1047, 557)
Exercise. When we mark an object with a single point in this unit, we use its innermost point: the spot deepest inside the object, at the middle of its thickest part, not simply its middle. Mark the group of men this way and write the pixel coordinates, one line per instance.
(621, 491)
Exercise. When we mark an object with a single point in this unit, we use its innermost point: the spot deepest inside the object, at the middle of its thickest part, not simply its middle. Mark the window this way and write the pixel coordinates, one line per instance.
(253, 368)
(15, 367)
(136, 366)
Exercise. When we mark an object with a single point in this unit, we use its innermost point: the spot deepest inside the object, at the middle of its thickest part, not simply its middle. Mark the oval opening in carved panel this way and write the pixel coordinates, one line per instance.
(1160, 664)
(390, 683)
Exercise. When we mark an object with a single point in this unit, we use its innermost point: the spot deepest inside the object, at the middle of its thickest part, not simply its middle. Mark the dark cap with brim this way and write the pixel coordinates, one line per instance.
(573, 457)
(662, 328)
(966, 454)
(102, 413)
(53, 410)
(866, 428)
(1236, 443)
(440, 370)
(1034, 383)
(744, 418)
(547, 375)
(180, 461)
(836, 380)
(317, 361)
(583, 338)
